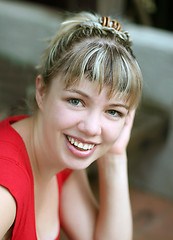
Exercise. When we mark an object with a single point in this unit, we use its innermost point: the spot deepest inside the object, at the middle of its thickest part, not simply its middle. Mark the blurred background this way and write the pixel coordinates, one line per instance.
(24, 27)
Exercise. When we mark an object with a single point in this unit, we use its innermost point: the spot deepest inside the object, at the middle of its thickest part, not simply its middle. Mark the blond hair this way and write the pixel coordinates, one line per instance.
(82, 47)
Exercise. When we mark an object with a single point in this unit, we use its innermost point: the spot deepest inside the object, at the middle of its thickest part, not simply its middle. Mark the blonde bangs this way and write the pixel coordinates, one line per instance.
(104, 64)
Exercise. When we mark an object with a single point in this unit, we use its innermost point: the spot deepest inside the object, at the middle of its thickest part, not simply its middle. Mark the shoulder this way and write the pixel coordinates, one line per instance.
(15, 169)
(7, 134)
(12, 146)
(16, 180)
(5, 124)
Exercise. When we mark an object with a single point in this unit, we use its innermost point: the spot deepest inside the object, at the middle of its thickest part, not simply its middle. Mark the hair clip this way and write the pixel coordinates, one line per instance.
(105, 21)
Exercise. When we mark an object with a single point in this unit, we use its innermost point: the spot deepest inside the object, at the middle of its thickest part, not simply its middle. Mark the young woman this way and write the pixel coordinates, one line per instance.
(87, 90)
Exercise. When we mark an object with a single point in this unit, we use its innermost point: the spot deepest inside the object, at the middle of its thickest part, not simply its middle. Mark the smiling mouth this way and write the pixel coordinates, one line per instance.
(79, 145)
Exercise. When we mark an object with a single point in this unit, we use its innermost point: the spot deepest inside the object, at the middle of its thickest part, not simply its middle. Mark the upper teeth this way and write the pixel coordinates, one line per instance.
(81, 145)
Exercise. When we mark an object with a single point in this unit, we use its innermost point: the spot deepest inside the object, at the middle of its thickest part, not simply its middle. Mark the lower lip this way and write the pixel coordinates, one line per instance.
(79, 153)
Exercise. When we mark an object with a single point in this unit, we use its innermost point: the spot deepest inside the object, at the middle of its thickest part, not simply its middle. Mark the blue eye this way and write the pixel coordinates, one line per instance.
(75, 101)
(113, 112)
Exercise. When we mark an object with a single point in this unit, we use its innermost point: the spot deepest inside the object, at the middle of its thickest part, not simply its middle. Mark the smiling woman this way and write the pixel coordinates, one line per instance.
(87, 90)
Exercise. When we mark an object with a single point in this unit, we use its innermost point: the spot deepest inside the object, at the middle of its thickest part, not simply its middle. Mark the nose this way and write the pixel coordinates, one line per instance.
(91, 124)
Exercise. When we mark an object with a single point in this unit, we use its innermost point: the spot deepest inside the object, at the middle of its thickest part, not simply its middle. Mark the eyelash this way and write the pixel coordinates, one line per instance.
(80, 103)
(71, 101)
(116, 115)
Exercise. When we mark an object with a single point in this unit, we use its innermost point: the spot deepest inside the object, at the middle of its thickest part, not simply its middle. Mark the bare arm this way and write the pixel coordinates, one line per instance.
(115, 220)
(78, 207)
(7, 211)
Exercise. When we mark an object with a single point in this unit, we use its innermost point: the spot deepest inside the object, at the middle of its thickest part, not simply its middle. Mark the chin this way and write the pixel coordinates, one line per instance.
(79, 164)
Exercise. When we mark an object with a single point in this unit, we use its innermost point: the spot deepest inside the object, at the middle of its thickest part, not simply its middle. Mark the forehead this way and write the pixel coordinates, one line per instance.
(91, 89)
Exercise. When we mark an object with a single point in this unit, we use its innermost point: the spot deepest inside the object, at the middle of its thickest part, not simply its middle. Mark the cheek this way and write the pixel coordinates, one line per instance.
(64, 118)
(113, 130)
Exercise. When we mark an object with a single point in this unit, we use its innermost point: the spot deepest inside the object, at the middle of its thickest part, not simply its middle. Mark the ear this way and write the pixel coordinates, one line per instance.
(40, 91)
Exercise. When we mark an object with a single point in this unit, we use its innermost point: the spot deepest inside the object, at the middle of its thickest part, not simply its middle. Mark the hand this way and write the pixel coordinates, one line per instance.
(121, 143)
(118, 150)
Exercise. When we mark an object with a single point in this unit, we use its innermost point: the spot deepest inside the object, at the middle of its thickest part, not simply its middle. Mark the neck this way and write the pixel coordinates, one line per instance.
(42, 163)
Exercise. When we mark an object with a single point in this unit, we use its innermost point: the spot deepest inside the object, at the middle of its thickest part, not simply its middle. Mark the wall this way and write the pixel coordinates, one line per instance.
(25, 29)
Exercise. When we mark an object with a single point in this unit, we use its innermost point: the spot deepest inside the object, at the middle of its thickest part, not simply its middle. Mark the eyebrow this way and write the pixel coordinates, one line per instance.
(78, 92)
(119, 105)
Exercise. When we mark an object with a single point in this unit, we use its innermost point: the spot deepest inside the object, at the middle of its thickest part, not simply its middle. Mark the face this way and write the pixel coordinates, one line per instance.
(78, 125)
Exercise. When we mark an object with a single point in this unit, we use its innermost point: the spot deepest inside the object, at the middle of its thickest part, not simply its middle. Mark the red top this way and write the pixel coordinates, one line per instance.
(16, 175)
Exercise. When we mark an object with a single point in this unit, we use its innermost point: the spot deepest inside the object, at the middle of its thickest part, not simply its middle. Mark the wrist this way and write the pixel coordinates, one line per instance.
(112, 160)
(113, 167)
